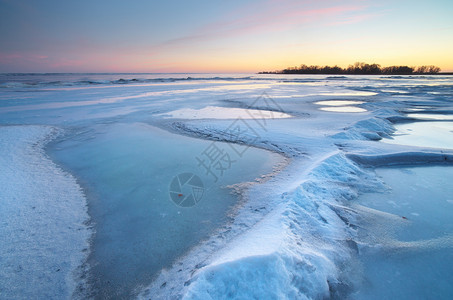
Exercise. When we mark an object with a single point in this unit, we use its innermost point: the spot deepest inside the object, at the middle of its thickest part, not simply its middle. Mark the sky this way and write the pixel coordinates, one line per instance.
(221, 35)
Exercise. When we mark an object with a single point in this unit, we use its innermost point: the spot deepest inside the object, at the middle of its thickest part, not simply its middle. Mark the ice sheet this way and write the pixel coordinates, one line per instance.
(344, 109)
(338, 102)
(417, 260)
(127, 170)
(431, 117)
(216, 112)
(424, 134)
(293, 236)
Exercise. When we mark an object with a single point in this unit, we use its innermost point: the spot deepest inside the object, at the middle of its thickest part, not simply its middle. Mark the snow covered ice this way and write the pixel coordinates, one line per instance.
(42, 215)
(335, 187)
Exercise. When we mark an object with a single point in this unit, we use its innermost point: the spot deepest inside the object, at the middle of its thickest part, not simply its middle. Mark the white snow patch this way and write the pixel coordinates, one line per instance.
(344, 109)
(42, 215)
(217, 112)
(394, 91)
(351, 93)
(293, 252)
(430, 116)
(264, 239)
(338, 102)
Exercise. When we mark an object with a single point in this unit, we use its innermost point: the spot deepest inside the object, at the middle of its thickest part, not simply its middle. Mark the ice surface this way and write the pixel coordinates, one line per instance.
(216, 112)
(351, 93)
(345, 106)
(338, 102)
(431, 117)
(127, 170)
(42, 214)
(345, 109)
(298, 234)
(418, 260)
(424, 134)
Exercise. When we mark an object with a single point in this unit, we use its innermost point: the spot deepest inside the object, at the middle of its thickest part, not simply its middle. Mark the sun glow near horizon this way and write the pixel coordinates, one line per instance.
(246, 36)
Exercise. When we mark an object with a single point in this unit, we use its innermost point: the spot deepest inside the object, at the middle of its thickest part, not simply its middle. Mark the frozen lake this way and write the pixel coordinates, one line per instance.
(418, 261)
(154, 186)
(126, 170)
(424, 134)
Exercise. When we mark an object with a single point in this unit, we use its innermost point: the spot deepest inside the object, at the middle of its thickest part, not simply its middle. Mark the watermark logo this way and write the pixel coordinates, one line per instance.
(241, 134)
(186, 189)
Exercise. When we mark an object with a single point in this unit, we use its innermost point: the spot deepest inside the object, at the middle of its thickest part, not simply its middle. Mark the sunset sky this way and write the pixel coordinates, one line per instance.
(221, 36)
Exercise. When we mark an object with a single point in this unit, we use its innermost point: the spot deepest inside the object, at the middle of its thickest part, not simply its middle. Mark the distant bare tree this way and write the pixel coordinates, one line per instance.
(422, 69)
(359, 68)
(428, 70)
(433, 69)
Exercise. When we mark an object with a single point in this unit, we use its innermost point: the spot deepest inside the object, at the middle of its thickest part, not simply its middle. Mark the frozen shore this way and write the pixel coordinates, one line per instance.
(44, 236)
(305, 243)
(297, 234)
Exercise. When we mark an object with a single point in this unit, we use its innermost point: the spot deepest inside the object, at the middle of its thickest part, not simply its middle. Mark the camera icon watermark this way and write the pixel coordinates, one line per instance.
(186, 189)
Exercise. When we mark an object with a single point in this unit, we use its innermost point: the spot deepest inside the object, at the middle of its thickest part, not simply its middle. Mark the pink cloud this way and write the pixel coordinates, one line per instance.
(273, 15)
(268, 17)
(354, 19)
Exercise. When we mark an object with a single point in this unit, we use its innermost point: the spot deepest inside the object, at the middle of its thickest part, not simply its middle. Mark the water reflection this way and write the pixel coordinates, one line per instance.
(430, 116)
(424, 134)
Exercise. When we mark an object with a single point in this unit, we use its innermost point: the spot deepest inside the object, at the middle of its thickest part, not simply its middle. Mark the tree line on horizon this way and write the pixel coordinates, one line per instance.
(359, 68)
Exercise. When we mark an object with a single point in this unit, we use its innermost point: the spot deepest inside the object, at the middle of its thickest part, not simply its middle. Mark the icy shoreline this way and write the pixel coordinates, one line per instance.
(162, 230)
(297, 234)
(43, 219)
(315, 216)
